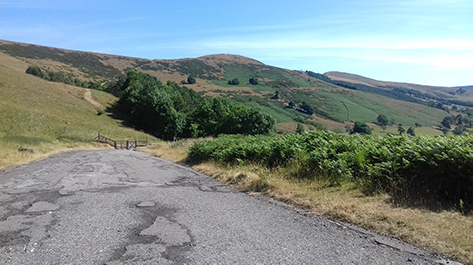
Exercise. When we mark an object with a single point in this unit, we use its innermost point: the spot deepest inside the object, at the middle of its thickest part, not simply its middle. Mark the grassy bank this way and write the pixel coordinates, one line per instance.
(50, 117)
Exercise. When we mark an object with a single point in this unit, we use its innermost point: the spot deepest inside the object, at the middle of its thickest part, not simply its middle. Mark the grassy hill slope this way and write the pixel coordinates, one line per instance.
(47, 116)
(446, 93)
(332, 104)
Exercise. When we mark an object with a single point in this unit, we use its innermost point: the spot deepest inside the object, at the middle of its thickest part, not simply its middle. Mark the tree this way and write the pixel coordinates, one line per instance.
(458, 119)
(221, 116)
(418, 125)
(291, 104)
(276, 95)
(382, 120)
(34, 70)
(459, 130)
(307, 108)
(467, 122)
(169, 110)
(444, 130)
(411, 131)
(447, 122)
(361, 128)
(191, 80)
(300, 128)
(234, 82)
(253, 81)
(401, 130)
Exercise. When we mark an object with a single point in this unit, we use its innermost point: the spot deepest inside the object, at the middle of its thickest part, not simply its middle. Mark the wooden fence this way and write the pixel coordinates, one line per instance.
(125, 144)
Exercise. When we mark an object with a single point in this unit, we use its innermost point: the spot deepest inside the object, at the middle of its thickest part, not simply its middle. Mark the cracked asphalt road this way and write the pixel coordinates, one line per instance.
(125, 207)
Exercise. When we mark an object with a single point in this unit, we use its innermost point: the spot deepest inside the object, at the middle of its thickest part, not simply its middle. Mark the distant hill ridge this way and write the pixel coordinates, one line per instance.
(290, 96)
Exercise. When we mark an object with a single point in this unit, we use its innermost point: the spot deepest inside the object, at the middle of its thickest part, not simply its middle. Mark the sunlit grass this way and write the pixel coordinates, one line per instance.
(49, 117)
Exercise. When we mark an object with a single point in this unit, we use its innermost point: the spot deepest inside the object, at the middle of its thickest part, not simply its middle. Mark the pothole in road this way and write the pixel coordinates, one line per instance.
(158, 238)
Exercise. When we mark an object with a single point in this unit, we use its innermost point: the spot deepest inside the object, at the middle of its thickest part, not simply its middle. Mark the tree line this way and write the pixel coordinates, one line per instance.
(170, 111)
(60, 77)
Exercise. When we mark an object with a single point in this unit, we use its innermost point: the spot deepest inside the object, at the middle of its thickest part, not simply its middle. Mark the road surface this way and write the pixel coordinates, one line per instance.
(126, 207)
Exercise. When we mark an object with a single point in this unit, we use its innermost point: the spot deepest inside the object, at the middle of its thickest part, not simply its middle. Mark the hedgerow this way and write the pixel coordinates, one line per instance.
(427, 170)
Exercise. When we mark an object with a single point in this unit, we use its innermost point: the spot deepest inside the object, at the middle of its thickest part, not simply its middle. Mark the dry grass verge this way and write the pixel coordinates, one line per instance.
(447, 233)
(174, 151)
(11, 157)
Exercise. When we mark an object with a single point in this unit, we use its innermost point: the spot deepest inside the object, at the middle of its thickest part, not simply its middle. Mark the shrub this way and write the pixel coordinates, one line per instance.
(414, 170)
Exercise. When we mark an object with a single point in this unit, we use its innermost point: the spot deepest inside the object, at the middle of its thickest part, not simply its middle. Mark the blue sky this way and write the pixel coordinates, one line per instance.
(418, 41)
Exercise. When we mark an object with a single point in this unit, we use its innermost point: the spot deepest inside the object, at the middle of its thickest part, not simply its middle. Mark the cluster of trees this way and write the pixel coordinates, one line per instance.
(361, 128)
(437, 105)
(461, 122)
(171, 111)
(411, 131)
(60, 77)
(253, 81)
(234, 82)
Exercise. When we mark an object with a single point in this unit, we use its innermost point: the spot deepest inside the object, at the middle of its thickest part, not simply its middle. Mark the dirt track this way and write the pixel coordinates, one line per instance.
(91, 100)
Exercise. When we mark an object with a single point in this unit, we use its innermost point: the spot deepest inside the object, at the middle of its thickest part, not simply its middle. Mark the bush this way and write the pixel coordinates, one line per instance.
(362, 128)
(414, 170)
(191, 80)
(234, 82)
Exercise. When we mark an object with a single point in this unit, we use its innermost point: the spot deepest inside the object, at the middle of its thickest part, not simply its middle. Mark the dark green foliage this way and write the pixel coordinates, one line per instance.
(459, 130)
(60, 77)
(34, 70)
(170, 110)
(401, 130)
(221, 116)
(234, 82)
(361, 128)
(383, 120)
(458, 120)
(411, 131)
(306, 108)
(253, 81)
(414, 170)
(191, 80)
(300, 128)
(276, 95)
(418, 125)
(319, 76)
(447, 122)
(444, 130)
(467, 122)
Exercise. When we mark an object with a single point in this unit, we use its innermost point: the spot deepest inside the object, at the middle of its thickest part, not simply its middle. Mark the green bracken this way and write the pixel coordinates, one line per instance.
(417, 171)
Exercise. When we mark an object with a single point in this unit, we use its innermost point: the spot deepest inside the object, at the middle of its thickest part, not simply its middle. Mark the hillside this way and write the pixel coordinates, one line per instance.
(280, 92)
(444, 94)
(49, 117)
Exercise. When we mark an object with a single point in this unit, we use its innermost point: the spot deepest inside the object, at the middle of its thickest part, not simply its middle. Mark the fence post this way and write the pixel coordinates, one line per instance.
(127, 145)
(115, 144)
(136, 143)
